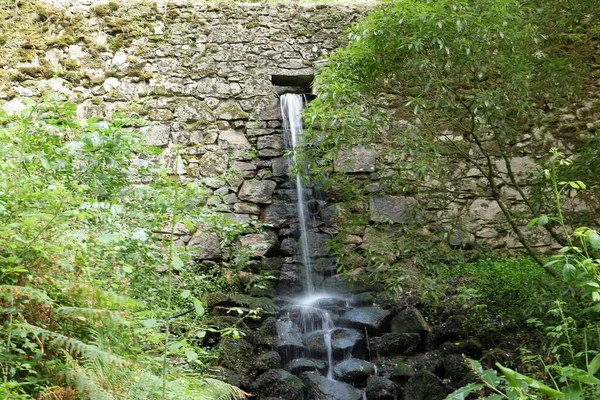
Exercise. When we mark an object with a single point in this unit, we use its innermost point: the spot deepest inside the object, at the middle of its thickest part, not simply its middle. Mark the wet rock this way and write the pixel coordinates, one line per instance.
(299, 365)
(266, 334)
(380, 388)
(321, 388)
(288, 339)
(409, 320)
(395, 343)
(432, 362)
(288, 246)
(343, 341)
(354, 371)
(401, 372)
(374, 319)
(215, 299)
(290, 280)
(456, 370)
(391, 208)
(424, 385)
(279, 383)
(260, 192)
(271, 263)
(279, 214)
(267, 361)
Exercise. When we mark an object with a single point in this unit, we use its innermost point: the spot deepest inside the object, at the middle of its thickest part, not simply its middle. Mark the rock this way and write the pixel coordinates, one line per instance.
(299, 365)
(409, 320)
(266, 334)
(237, 355)
(362, 299)
(321, 388)
(212, 164)
(260, 192)
(233, 140)
(457, 370)
(267, 361)
(289, 339)
(271, 263)
(380, 388)
(354, 371)
(280, 166)
(280, 214)
(460, 239)
(374, 319)
(391, 208)
(471, 348)
(279, 383)
(260, 244)
(395, 343)
(270, 142)
(343, 341)
(358, 159)
(431, 361)
(215, 299)
(449, 331)
(401, 372)
(424, 385)
(206, 245)
(288, 246)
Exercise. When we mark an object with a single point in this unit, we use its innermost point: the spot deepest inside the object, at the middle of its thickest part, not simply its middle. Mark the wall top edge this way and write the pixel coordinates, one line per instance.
(162, 4)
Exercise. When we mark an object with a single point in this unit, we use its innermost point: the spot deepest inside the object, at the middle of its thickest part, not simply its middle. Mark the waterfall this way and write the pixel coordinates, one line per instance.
(291, 110)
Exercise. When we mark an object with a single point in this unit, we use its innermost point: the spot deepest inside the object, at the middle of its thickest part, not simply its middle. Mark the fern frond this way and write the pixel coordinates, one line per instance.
(97, 313)
(86, 385)
(11, 292)
(70, 344)
(102, 298)
(215, 389)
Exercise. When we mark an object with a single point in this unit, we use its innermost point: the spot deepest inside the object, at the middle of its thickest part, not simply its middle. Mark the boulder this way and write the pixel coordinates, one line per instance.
(237, 355)
(375, 319)
(424, 385)
(321, 388)
(267, 361)
(280, 214)
(299, 365)
(206, 245)
(354, 371)
(260, 244)
(391, 208)
(233, 140)
(380, 388)
(213, 164)
(260, 192)
(279, 383)
(343, 341)
(288, 339)
(409, 320)
(395, 343)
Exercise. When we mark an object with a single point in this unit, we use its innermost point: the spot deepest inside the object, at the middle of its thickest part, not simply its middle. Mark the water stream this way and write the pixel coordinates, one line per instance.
(314, 318)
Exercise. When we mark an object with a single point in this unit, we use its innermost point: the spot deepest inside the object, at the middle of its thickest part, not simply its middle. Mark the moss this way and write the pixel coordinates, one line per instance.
(24, 55)
(36, 72)
(115, 43)
(3, 39)
(101, 10)
(60, 41)
(97, 100)
(71, 63)
(144, 76)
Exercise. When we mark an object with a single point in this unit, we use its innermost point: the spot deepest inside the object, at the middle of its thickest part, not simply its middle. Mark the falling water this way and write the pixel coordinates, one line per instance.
(291, 110)
(313, 318)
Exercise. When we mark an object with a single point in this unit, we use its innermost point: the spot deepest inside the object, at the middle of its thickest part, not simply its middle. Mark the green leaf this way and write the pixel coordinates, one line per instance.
(594, 366)
(543, 220)
(188, 225)
(127, 268)
(191, 355)
(176, 262)
(186, 293)
(199, 307)
(149, 323)
(463, 392)
(594, 239)
(532, 223)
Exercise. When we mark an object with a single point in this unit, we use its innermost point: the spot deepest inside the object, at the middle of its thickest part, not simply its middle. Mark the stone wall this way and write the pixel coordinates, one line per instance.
(206, 77)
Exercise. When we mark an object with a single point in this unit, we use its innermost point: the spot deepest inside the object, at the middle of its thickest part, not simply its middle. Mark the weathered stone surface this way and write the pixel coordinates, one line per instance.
(280, 214)
(358, 159)
(391, 208)
(425, 386)
(409, 320)
(354, 370)
(289, 338)
(260, 192)
(233, 140)
(395, 343)
(260, 244)
(267, 361)
(213, 164)
(461, 239)
(320, 388)
(374, 319)
(279, 383)
(342, 341)
(380, 388)
(299, 365)
(206, 244)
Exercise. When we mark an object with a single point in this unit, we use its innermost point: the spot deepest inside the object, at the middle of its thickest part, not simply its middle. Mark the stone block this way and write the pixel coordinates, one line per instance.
(357, 159)
(260, 192)
(391, 208)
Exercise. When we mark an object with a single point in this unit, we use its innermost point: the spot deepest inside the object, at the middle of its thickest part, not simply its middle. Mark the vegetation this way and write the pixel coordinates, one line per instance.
(445, 90)
(85, 312)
